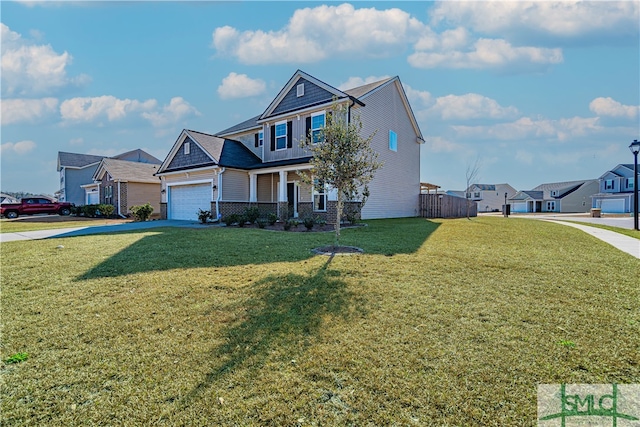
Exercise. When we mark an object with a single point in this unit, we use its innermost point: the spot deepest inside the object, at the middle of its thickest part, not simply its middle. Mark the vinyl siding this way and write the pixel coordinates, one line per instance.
(195, 157)
(73, 179)
(395, 188)
(313, 95)
(574, 201)
(297, 133)
(267, 187)
(140, 193)
(235, 186)
(248, 140)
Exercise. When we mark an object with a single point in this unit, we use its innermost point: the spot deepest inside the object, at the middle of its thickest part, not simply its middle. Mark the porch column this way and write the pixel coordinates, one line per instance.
(253, 186)
(283, 187)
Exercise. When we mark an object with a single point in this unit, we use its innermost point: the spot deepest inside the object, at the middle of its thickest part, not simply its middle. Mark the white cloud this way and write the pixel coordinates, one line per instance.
(527, 128)
(470, 106)
(101, 107)
(26, 110)
(21, 147)
(359, 81)
(484, 54)
(76, 141)
(611, 108)
(313, 34)
(524, 157)
(177, 110)
(418, 98)
(240, 86)
(438, 144)
(29, 69)
(556, 19)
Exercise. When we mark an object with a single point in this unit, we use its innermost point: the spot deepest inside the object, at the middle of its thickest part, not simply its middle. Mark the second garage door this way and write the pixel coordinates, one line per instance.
(186, 200)
(613, 206)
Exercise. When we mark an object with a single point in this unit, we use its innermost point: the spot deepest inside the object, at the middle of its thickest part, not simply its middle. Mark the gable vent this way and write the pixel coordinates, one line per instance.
(300, 90)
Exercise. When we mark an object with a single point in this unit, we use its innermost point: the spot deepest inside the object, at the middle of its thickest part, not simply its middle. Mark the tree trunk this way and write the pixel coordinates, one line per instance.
(338, 218)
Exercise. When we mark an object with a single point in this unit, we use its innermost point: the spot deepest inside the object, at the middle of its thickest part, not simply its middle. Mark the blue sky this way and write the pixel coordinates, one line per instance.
(537, 92)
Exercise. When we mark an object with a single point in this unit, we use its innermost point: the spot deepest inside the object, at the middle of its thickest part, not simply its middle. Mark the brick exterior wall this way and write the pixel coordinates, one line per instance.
(228, 208)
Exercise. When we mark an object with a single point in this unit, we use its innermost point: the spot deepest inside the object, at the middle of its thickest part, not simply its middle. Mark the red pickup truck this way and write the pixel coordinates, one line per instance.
(35, 205)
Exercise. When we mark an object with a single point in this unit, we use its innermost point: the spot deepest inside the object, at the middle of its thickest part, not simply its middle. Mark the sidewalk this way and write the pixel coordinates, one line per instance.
(624, 243)
(83, 231)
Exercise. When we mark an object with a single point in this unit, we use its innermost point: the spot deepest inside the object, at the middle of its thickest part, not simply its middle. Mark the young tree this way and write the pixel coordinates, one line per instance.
(342, 159)
(472, 176)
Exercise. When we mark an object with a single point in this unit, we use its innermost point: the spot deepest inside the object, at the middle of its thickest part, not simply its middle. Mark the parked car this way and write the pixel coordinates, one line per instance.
(35, 205)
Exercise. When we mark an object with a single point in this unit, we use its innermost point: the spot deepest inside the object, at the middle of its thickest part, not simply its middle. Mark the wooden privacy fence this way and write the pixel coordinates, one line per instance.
(445, 206)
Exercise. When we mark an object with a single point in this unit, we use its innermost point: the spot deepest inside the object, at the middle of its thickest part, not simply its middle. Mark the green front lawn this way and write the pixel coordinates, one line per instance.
(448, 322)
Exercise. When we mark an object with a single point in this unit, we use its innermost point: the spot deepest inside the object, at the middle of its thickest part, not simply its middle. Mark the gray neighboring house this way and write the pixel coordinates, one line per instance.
(615, 193)
(76, 171)
(490, 197)
(562, 197)
(255, 162)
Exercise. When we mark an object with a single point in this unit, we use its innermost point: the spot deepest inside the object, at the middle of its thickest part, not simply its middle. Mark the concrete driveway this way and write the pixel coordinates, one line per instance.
(83, 231)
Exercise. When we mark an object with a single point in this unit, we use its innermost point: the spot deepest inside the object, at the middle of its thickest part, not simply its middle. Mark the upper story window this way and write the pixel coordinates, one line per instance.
(393, 141)
(630, 183)
(281, 135)
(259, 139)
(317, 123)
(608, 184)
(187, 148)
(300, 90)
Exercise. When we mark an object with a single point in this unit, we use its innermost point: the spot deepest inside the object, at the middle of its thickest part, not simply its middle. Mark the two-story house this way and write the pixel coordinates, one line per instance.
(76, 173)
(257, 161)
(616, 190)
(490, 197)
(566, 197)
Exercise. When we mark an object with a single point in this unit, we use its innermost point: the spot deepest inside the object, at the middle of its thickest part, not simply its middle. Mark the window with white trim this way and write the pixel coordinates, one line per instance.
(319, 196)
(608, 184)
(260, 138)
(281, 135)
(630, 183)
(187, 148)
(317, 123)
(551, 206)
(393, 141)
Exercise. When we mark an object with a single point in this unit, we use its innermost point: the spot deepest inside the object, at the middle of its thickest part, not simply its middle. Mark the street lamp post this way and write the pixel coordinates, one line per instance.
(506, 209)
(635, 148)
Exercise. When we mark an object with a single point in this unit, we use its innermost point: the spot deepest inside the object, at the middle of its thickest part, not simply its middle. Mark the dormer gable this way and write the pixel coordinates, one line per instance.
(302, 91)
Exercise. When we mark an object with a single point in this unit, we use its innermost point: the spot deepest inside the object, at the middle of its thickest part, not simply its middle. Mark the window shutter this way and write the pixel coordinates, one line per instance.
(256, 140)
(273, 137)
(289, 134)
(307, 127)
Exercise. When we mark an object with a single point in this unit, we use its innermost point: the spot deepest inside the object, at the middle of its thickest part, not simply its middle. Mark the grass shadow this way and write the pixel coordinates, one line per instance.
(170, 248)
(284, 311)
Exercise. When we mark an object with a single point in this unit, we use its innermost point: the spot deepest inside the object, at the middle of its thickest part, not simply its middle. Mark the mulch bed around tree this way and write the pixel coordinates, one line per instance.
(300, 228)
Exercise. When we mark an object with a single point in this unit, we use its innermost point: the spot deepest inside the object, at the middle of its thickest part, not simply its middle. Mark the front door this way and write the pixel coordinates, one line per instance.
(292, 199)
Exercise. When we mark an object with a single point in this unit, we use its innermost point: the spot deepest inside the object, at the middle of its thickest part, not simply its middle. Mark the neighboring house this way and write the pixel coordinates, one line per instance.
(256, 161)
(76, 170)
(123, 184)
(565, 197)
(490, 197)
(615, 193)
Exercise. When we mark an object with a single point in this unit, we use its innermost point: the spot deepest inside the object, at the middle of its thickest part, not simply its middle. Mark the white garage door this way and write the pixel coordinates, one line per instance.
(93, 198)
(519, 207)
(613, 206)
(186, 200)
